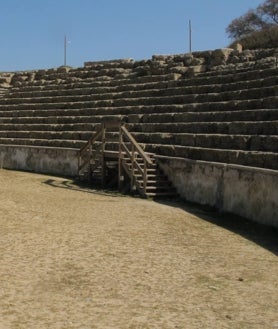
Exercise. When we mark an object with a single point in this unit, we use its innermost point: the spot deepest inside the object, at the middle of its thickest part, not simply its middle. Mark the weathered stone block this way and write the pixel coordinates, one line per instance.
(220, 56)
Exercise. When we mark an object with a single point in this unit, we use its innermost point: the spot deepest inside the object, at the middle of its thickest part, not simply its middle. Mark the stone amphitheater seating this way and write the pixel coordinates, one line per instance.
(218, 107)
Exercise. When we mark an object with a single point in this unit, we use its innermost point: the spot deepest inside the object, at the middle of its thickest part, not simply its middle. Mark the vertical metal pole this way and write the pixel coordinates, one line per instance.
(65, 51)
(190, 37)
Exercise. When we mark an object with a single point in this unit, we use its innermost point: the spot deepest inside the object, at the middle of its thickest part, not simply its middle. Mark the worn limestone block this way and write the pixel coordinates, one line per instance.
(220, 56)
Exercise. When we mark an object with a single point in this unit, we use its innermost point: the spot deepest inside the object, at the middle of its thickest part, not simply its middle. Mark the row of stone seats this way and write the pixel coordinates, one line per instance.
(254, 159)
(241, 127)
(221, 141)
(170, 95)
(135, 115)
(213, 117)
(80, 95)
(229, 111)
(126, 100)
(258, 78)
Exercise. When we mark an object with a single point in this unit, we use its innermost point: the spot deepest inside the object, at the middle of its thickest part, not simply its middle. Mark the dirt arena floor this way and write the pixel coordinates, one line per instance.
(74, 258)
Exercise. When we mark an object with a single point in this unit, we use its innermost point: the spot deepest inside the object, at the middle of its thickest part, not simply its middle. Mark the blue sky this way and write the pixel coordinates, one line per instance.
(32, 31)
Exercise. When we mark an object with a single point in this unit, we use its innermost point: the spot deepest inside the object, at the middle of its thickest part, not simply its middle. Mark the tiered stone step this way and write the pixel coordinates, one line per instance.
(231, 110)
(267, 143)
(73, 116)
(187, 127)
(260, 136)
(233, 128)
(236, 127)
(226, 82)
(154, 97)
(191, 103)
(3, 92)
(238, 142)
(186, 86)
(212, 113)
(208, 61)
(267, 160)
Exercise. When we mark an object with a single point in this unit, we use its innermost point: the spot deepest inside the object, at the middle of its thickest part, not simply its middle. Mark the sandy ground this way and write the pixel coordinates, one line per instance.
(70, 258)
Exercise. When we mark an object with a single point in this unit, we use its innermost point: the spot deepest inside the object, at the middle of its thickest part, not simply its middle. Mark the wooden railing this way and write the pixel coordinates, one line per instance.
(134, 160)
(90, 151)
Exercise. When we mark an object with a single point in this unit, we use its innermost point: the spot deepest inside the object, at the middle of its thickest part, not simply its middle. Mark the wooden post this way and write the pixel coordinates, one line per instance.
(145, 176)
(132, 168)
(120, 180)
(79, 162)
(103, 156)
(90, 158)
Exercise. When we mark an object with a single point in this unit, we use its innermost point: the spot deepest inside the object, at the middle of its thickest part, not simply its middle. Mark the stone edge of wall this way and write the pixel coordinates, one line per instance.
(48, 160)
(245, 191)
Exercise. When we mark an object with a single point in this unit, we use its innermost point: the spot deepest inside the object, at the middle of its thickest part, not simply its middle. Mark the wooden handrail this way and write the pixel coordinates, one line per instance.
(129, 153)
(137, 146)
(134, 154)
(132, 157)
(98, 132)
(81, 166)
(91, 140)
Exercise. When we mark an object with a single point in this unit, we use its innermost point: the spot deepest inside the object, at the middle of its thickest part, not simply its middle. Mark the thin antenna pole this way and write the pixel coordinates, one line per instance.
(65, 51)
(190, 37)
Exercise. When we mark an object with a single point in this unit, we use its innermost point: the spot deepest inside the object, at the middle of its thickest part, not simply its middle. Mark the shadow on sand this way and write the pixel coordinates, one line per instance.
(262, 235)
(82, 187)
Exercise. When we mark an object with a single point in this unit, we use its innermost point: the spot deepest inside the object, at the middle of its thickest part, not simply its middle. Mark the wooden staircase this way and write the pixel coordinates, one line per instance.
(113, 158)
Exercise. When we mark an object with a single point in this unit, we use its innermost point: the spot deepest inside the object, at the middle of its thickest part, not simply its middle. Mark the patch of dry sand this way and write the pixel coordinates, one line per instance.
(73, 259)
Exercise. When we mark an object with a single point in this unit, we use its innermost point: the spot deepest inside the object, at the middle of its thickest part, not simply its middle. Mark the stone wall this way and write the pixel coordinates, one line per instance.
(47, 160)
(249, 192)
